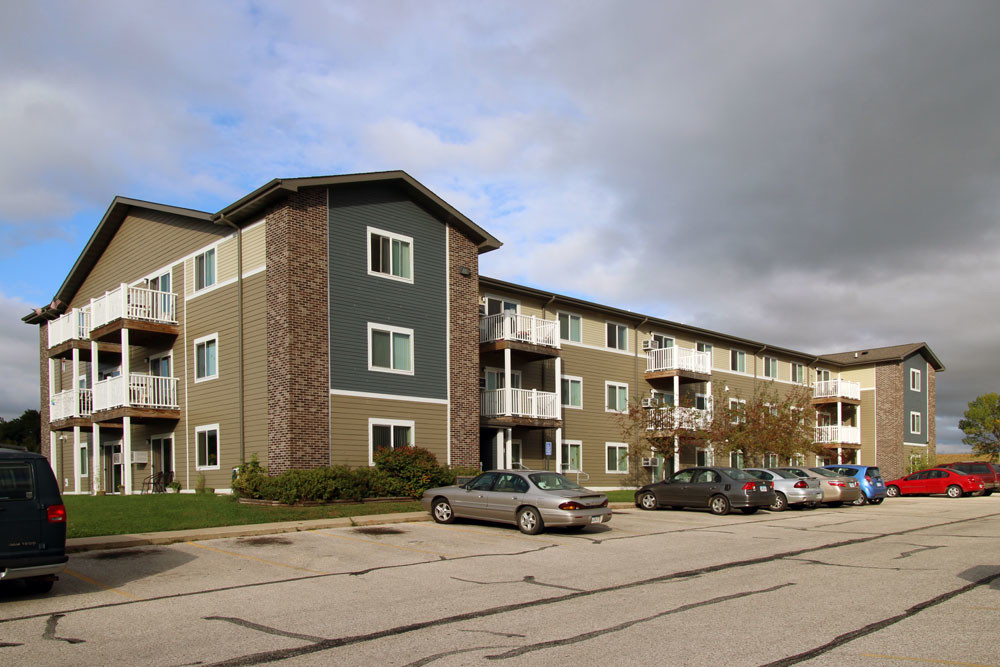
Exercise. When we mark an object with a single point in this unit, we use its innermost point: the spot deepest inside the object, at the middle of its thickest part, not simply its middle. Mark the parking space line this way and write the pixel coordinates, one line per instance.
(928, 660)
(384, 544)
(254, 558)
(95, 582)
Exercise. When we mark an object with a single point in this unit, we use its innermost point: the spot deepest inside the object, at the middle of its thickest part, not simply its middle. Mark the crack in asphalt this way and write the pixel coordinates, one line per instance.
(586, 636)
(527, 579)
(861, 567)
(436, 656)
(920, 547)
(50, 631)
(264, 628)
(492, 632)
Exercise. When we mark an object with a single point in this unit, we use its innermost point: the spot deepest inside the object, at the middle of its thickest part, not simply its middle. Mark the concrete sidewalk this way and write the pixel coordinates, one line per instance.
(78, 544)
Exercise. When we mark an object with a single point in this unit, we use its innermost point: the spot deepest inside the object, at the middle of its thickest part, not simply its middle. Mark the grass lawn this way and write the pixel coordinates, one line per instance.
(117, 515)
(621, 496)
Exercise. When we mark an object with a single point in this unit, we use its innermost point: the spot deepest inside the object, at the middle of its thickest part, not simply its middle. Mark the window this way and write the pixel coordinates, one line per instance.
(705, 347)
(738, 361)
(617, 457)
(662, 398)
(770, 367)
(662, 342)
(736, 408)
(570, 327)
(84, 460)
(798, 373)
(204, 269)
(822, 375)
(515, 454)
(617, 397)
(206, 358)
(572, 456)
(572, 391)
(914, 379)
(390, 349)
(735, 459)
(388, 434)
(389, 255)
(770, 460)
(207, 438)
(495, 305)
(494, 379)
(915, 423)
(617, 336)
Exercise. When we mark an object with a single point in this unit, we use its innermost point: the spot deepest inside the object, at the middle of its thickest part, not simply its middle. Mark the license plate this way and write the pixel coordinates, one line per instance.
(852, 484)
(762, 488)
(878, 483)
(595, 519)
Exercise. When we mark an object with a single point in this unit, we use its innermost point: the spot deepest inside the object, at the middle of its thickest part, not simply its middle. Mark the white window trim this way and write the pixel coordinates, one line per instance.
(392, 236)
(516, 445)
(766, 361)
(609, 445)
(574, 378)
(372, 326)
(570, 315)
(915, 374)
(84, 446)
(500, 371)
(168, 354)
(377, 421)
(501, 299)
(218, 445)
(737, 370)
(617, 324)
(791, 373)
(920, 427)
(200, 341)
(573, 443)
(738, 401)
(194, 269)
(609, 383)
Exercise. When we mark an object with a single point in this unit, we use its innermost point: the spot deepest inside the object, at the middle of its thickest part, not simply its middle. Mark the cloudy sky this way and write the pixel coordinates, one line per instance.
(822, 176)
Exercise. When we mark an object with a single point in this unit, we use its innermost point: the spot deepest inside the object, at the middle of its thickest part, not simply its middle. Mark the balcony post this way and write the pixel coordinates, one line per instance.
(507, 393)
(677, 400)
(127, 453)
(124, 296)
(558, 396)
(53, 457)
(76, 458)
(76, 391)
(534, 403)
(95, 458)
(558, 445)
(126, 379)
(534, 331)
(508, 436)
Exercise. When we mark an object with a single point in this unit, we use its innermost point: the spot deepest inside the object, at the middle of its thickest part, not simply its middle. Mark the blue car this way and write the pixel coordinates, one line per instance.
(869, 479)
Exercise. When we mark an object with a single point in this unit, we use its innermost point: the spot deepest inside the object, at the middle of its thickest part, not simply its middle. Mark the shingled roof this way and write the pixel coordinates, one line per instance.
(877, 354)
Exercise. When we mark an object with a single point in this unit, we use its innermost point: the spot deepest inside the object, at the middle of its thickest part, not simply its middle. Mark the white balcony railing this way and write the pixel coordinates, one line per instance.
(837, 389)
(141, 391)
(848, 435)
(72, 325)
(135, 303)
(684, 418)
(71, 403)
(523, 403)
(678, 359)
(521, 328)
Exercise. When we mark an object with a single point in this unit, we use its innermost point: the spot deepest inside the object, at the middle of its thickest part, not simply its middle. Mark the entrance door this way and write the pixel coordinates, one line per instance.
(163, 454)
(116, 470)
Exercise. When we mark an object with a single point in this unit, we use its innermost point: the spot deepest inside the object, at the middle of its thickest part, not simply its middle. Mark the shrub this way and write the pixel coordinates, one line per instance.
(408, 471)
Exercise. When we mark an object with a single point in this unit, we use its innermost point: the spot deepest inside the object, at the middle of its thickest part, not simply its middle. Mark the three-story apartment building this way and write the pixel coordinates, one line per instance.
(317, 320)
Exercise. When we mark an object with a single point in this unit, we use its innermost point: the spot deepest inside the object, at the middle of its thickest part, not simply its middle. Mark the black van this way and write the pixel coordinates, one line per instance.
(32, 521)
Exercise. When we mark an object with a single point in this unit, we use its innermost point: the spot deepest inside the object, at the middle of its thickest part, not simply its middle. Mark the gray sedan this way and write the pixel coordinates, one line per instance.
(837, 490)
(790, 489)
(530, 499)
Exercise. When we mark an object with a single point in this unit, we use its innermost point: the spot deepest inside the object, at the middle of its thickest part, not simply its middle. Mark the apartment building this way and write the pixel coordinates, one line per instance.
(319, 319)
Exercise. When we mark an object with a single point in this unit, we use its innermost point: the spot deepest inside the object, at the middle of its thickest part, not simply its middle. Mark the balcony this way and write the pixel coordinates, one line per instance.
(142, 395)
(837, 390)
(529, 407)
(138, 308)
(671, 360)
(690, 419)
(71, 404)
(74, 325)
(838, 435)
(525, 329)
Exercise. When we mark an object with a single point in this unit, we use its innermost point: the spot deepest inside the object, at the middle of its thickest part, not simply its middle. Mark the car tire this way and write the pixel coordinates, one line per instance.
(860, 500)
(892, 491)
(647, 501)
(529, 521)
(718, 505)
(441, 511)
(780, 503)
(811, 506)
(38, 586)
(836, 503)
(876, 501)
(954, 491)
(749, 510)
(988, 493)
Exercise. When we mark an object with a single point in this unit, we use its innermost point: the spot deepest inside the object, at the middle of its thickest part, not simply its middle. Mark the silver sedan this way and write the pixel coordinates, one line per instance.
(529, 499)
(790, 489)
(837, 490)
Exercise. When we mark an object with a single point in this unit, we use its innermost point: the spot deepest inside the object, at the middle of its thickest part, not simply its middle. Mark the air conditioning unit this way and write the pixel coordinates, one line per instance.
(648, 462)
(116, 458)
(140, 457)
(650, 345)
(649, 402)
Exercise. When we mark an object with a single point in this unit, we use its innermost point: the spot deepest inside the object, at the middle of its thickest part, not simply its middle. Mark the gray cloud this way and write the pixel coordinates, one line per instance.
(19, 390)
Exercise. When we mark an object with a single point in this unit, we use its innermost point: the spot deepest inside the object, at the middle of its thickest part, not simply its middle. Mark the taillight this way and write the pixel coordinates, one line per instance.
(868, 479)
(750, 486)
(604, 504)
(56, 513)
(571, 505)
(800, 485)
(837, 483)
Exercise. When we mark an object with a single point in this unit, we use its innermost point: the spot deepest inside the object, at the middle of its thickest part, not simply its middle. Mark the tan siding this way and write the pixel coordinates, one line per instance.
(254, 248)
(145, 242)
(226, 260)
(349, 426)
(255, 365)
(864, 375)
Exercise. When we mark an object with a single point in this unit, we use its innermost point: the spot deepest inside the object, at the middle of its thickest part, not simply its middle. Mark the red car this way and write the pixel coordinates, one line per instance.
(934, 480)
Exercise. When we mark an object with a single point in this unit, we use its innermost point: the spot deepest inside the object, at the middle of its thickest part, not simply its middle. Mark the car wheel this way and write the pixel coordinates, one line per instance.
(749, 510)
(780, 503)
(441, 511)
(876, 501)
(38, 585)
(954, 491)
(647, 501)
(892, 491)
(529, 521)
(860, 500)
(718, 505)
(837, 503)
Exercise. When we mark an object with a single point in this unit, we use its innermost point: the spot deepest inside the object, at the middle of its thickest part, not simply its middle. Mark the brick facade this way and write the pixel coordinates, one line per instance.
(298, 350)
(890, 456)
(463, 305)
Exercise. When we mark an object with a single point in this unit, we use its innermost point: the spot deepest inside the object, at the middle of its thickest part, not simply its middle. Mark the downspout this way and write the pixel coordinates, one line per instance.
(239, 326)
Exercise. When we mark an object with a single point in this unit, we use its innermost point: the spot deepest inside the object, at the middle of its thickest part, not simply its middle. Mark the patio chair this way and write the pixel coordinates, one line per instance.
(149, 484)
(165, 479)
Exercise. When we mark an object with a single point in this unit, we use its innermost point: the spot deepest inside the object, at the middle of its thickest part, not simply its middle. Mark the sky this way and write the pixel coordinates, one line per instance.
(822, 176)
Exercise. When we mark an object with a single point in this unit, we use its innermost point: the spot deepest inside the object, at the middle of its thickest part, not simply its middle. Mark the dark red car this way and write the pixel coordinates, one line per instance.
(934, 480)
(989, 472)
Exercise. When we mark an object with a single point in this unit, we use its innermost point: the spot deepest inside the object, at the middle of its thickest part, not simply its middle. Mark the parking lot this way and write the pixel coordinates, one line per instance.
(914, 580)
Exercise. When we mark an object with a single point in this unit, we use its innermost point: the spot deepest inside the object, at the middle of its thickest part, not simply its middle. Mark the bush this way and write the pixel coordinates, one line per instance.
(408, 471)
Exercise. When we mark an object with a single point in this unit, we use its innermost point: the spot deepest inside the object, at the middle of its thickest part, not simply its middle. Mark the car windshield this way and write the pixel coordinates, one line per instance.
(736, 473)
(553, 481)
(785, 474)
(824, 472)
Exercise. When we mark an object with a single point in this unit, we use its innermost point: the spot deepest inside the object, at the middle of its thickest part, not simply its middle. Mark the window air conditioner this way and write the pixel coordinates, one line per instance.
(140, 457)
(648, 462)
(649, 402)
(650, 345)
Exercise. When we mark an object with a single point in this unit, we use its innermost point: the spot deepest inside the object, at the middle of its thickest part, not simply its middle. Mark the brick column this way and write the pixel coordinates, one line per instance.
(298, 333)
(889, 423)
(463, 294)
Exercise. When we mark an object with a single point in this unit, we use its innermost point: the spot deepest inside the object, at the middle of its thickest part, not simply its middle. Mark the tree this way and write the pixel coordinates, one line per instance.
(649, 432)
(982, 426)
(25, 431)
